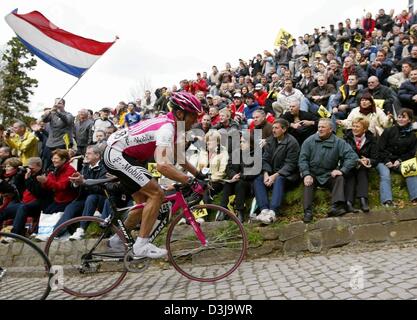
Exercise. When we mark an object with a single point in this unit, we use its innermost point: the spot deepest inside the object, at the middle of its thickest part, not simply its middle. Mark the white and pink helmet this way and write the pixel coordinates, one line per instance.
(187, 102)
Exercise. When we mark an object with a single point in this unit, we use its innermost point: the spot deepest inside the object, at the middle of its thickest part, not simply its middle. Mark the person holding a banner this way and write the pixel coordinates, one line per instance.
(397, 149)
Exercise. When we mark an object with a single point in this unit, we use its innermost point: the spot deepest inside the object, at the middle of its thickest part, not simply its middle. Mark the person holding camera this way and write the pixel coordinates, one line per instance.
(60, 124)
(11, 188)
(25, 143)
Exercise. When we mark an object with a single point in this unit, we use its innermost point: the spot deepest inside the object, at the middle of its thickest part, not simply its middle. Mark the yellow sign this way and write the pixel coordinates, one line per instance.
(200, 213)
(284, 37)
(379, 103)
(346, 46)
(409, 168)
(154, 172)
(323, 113)
(358, 37)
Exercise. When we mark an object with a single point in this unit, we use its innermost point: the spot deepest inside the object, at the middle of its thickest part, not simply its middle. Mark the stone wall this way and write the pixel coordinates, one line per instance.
(383, 226)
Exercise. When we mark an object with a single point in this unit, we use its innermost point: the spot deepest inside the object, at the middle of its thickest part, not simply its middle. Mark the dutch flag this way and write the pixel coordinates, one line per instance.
(61, 49)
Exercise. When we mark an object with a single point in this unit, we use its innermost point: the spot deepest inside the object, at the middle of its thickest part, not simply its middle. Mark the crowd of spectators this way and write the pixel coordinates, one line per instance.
(331, 106)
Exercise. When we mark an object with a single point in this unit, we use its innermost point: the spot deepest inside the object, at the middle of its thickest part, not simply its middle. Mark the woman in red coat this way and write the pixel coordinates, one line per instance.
(58, 182)
(368, 25)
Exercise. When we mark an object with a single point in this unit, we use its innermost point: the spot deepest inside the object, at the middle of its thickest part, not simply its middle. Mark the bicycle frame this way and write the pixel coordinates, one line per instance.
(175, 203)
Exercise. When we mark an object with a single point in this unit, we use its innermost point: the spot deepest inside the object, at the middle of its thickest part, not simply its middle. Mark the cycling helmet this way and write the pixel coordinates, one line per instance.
(186, 102)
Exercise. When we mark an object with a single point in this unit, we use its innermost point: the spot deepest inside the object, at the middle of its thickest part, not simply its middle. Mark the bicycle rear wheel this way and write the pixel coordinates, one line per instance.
(24, 269)
(89, 268)
(225, 250)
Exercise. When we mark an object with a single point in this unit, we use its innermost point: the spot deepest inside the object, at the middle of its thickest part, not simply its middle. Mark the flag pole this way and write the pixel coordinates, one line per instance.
(78, 80)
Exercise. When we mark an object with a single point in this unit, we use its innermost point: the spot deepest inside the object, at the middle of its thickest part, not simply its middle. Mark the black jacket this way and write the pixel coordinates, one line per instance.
(36, 189)
(302, 133)
(242, 168)
(406, 93)
(395, 145)
(98, 172)
(282, 157)
(369, 149)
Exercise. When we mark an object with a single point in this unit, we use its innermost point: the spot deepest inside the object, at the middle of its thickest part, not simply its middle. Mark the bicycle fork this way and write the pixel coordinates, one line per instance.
(196, 226)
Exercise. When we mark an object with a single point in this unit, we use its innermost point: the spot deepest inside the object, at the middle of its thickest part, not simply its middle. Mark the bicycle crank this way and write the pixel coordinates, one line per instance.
(134, 264)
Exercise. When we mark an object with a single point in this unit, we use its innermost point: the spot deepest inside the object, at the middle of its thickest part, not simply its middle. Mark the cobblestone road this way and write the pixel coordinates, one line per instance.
(384, 272)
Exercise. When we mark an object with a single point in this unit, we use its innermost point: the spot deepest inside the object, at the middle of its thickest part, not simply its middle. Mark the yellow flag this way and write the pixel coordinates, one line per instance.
(284, 37)
(379, 103)
(200, 213)
(323, 113)
(154, 172)
(346, 46)
(231, 203)
(66, 140)
(409, 168)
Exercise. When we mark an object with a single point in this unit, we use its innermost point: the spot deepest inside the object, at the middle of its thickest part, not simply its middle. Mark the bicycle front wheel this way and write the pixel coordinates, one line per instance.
(224, 252)
(90, 268)
(24, 269)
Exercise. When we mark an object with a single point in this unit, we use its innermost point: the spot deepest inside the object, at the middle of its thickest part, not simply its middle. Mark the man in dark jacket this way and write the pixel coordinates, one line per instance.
(380, 92)
(408, 92)
(279, 167)
(302, 124)
(324, 161)
(319, 96)
(89, 198)
(384, 22)
(346, 99)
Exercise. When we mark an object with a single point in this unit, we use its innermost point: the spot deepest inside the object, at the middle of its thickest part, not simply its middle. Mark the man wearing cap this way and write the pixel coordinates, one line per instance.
(325, 40)
(251, 106)
(237, 107)
(102, 123)
(260, 94)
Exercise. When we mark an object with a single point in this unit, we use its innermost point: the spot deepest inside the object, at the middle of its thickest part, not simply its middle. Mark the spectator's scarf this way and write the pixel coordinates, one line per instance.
(405, 130)
(10, 174)
(367, 110)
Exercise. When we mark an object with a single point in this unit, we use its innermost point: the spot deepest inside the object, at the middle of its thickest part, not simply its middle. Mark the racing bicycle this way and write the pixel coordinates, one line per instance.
(206, 251)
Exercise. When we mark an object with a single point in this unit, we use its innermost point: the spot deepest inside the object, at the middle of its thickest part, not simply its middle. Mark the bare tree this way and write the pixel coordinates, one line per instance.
(138, 90)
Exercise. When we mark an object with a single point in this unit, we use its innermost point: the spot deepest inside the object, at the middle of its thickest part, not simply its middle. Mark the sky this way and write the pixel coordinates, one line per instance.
(164, 41)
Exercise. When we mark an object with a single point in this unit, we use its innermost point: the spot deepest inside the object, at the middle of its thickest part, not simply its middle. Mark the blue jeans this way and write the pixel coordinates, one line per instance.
(261, 193)
(85, 208)
(9, 212)
(308, 106)
(385, 184)
(31, 209)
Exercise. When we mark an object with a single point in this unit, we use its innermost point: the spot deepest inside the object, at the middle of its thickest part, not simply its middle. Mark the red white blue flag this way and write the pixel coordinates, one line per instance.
(59, 48)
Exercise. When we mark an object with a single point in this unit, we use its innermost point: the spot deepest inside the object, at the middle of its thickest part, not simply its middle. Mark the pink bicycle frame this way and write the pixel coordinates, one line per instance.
(179, 203)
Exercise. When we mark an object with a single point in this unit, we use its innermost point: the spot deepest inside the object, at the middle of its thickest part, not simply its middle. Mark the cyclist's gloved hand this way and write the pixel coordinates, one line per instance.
(201, 176)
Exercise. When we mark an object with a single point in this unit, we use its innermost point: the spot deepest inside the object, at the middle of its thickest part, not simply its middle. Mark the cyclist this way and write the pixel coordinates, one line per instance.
(127, 151)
